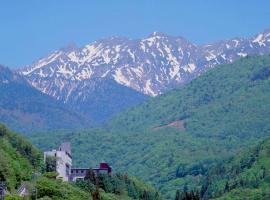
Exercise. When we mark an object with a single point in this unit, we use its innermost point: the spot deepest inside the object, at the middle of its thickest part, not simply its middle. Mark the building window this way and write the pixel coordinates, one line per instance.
(67, 169)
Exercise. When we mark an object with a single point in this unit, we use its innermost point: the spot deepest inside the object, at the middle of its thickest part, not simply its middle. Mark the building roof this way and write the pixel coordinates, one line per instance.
(80, 168)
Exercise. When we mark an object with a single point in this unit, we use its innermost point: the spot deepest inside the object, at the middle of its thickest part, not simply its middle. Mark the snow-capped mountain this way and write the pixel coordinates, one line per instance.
(151, 65)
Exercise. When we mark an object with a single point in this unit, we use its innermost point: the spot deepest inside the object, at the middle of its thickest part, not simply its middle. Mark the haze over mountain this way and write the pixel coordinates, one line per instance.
(24, 108)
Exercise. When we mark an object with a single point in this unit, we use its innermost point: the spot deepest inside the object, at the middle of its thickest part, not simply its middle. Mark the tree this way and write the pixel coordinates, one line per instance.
(119, 185)
(227, 188)
(157, 196)
(132, 191)
(177, 195)
(185, 189)
(3, 130)
(50, 164)
(96, 194)
(190, 196)
(105, 183)
(91, 176)
(145, 195)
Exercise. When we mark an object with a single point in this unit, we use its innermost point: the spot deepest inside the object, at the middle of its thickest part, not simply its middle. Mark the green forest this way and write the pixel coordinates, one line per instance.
(171, 140)
(245, 176)
(22, 164)
(206, 140)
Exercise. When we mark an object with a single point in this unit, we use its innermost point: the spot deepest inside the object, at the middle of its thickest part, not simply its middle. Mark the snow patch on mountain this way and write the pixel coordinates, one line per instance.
(259, 39)
(151, 65)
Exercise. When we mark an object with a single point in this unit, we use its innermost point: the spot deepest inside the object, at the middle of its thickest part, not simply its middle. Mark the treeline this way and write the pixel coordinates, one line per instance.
(118, 184)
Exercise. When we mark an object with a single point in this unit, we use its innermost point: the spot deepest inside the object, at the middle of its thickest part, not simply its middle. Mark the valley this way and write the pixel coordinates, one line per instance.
(225, 111)
(134, 100)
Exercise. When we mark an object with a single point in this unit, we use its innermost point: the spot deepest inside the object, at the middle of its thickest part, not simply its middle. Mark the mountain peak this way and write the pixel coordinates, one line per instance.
(266, 31)
(69, 47)
(158, 34)
(151, 65)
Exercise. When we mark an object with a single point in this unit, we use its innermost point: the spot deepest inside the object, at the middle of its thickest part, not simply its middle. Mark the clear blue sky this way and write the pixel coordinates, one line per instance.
(31, 29)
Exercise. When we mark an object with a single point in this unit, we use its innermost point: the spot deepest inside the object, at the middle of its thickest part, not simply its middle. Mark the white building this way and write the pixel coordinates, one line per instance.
(63, 160)
(64, 165)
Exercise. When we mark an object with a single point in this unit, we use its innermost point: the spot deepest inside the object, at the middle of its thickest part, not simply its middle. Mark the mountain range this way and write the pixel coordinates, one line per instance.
(171, 140)
(111, 75)
(150, 66)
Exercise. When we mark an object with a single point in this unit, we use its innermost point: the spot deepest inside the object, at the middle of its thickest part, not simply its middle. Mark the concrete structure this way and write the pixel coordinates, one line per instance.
(104, 168)
(64, 165)
(63, 160)
(23, 190)
(80, 173)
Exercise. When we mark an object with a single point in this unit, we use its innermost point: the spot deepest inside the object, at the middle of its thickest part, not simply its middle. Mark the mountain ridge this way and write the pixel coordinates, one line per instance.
(144, 67)
(213, 117)
(25, 108)
(151, 65)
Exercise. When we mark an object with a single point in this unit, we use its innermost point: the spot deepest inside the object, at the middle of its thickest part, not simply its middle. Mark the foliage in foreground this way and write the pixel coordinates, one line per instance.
(58, 190)
(18, 159)
(121, 185)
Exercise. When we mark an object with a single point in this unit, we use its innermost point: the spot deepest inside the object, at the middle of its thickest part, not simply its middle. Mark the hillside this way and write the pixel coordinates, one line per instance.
(245, 176)
(171, 139)
(18, 159)
(25, 109)
(103, 99)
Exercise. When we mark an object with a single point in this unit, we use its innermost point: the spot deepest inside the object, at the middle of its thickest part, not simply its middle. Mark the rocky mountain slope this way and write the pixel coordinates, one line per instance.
(108, 76)
(151, 65)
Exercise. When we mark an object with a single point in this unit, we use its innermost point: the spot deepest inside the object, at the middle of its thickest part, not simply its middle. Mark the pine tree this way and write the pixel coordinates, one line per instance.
(96, 194)
(145, 195)
(90, 176)
(227, 188)
(177, 195)
(185, 189)
(157, 196)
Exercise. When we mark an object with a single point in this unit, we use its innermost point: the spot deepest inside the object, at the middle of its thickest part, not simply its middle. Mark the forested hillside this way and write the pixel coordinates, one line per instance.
(245, 176)
(18, 159)
(22, 164)
(172, 139)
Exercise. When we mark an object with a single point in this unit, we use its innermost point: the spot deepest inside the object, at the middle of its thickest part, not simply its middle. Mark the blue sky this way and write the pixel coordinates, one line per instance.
(31, 29)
